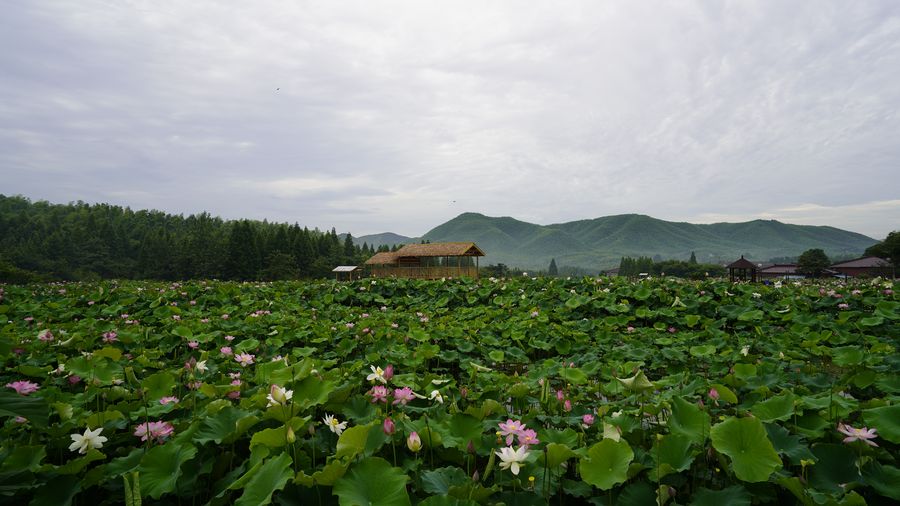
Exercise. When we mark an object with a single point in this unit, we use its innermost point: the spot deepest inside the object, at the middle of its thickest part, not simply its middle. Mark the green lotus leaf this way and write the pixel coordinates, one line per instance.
(273, 475)
(33, 408)
(672, 454)
(440, 480)
(557, 454)
(606, 464)
(780, 407)
(703, 350)
(221, 426)
(725, 393)
(158, 385)
(352, 441)
(744, 371)
(884, 479)
(732, 496)
(637, 383)
(835, 467)
(327, 476)
(887, 420)
(788, 444)
(689, 420)
(637, 494)
(744, 440)
(573, 375)
(372, 481)
(161, 467)
(847, 355)
(458, 430)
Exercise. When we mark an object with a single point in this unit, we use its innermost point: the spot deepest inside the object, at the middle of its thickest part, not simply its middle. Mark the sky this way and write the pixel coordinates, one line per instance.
(382, 116)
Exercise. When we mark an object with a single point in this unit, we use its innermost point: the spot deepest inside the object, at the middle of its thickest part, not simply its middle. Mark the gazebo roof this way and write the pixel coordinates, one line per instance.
(742, 263)
(345, 268)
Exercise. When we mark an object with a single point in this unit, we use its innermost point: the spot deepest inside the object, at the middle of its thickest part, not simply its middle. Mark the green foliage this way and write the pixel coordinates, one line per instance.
(888, 248)
(813, 262)
(616, 377)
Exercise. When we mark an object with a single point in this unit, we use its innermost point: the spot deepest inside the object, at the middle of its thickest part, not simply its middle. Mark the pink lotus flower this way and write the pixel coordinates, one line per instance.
(388, 372)
(168, 400)
(24, 387)
(110, 337)
(45, 335)
(226, 350)
(853, 434)
(528, 437)
(229, 338)
(560, 395)
(511, 428)
(74, 379)
(154, 430)
(567, 405)
(587, 420)
(244, 359)
(379, 394)
(193, 345)
(403, 396)
(414, 442)
(713, 394)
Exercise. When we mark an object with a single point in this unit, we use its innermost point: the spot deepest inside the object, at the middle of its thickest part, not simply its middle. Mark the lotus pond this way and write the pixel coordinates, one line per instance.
(516, 391)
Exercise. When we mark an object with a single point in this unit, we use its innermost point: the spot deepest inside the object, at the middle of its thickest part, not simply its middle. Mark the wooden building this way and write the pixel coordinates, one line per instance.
(427, 261)
(865, 266)
(742, 270)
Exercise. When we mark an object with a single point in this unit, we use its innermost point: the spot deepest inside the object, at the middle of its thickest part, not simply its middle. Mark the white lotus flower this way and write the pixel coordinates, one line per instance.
(279, 396)
(511, 459)
(436, 396)
(377, 375)
(90, 439)
(334, 425)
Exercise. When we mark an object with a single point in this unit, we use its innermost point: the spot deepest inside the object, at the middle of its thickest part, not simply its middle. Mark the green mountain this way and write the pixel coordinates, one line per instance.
(600, 243)
(386, 239)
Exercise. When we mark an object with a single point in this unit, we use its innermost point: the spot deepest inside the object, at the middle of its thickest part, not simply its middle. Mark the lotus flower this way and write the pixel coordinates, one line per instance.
(89, 440)
(511, 459)
(853, 434)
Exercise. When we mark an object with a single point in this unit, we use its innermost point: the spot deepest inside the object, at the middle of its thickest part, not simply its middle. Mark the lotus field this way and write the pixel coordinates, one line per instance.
(511, 391)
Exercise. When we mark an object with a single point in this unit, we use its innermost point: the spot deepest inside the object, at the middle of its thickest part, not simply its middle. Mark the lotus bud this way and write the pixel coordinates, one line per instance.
(463, 392)
(414, 443)
(470, 447)
(567, 405)
(475, 476)
(388, 427)
(291, 437)
(713, 394)
(587, 420)
(388, 372)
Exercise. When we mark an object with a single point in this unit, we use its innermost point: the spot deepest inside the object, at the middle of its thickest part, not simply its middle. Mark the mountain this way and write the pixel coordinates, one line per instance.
(387, 238)
(600, 243)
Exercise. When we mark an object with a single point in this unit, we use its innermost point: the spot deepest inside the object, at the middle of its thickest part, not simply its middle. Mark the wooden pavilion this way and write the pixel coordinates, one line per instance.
(427, 261)
(346, 272)
(742, 270)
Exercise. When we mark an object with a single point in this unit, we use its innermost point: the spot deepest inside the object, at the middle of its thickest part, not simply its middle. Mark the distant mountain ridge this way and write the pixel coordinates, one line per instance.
(601, 242)
(384, 239)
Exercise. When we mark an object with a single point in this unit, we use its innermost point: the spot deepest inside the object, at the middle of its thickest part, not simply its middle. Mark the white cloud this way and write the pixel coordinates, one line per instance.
(400, 115)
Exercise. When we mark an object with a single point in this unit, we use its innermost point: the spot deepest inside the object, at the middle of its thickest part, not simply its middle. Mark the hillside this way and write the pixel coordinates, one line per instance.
(387, 239)
(600, 243)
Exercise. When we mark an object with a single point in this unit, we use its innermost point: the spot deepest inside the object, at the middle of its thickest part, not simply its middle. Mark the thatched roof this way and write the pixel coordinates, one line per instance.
(383, 258)
(438, 249)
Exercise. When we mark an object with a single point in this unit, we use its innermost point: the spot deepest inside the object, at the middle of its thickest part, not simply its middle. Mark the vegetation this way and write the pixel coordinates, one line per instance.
(889, 248)
(397, 392)
(79, 241)
(812, 263)
(633, 267)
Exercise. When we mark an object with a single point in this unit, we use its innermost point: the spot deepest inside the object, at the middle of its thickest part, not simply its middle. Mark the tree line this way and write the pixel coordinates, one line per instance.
(633, 267)
(79, 241)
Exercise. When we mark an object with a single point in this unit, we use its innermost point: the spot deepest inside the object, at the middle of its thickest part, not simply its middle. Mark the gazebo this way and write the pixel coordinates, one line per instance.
(346, 272)
(427, 261)
(739, 270)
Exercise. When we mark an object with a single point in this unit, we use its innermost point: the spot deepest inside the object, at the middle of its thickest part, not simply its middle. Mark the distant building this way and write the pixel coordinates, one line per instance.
(427, 261)
(346, 272)
(865, 266)
(788, 271)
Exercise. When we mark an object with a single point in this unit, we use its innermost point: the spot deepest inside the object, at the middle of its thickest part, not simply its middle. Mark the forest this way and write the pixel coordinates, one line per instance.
(40, 241)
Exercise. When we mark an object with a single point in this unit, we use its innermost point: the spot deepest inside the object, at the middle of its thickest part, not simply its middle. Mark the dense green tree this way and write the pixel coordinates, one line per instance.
(693, 259)
(552, 270)
(889, 248)
(813, 262)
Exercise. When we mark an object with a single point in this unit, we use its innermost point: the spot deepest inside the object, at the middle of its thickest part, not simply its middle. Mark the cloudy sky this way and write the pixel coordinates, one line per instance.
(378, 116)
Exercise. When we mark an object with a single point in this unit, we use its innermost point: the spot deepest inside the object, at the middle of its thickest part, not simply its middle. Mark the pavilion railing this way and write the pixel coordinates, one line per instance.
(424, 272)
